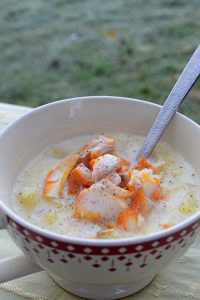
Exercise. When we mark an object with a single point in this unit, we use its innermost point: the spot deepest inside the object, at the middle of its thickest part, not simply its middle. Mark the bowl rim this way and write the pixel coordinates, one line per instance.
(7, 212)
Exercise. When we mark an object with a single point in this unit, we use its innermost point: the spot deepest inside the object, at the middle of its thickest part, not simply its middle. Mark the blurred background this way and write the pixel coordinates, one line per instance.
(56, 49)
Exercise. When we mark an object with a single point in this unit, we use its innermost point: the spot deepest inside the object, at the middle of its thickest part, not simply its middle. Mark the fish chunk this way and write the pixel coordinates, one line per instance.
(98, 147)
(79, 178)
(104, 165)
(101, 202)
(114, 177)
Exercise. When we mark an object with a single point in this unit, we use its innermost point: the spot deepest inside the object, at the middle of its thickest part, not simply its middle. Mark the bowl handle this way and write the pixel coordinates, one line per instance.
(16, 266)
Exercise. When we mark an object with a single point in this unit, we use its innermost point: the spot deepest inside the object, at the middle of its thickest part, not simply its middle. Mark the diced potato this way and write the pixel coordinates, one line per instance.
(188, 206)
(50, 218)
(28, 198)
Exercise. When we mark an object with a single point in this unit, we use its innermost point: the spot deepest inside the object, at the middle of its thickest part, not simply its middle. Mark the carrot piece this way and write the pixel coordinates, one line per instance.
(110, 225)
(79, 177)
(131, 187)
(56, 178)
(74, 187)
(91, 163)
(125, 217)
(166, 226)
(49, 183)
(143, 163)
(158, 195)
(125, 162)
(139, 202)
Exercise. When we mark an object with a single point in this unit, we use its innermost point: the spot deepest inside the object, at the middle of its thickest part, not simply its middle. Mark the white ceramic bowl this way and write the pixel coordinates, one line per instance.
(94, 269)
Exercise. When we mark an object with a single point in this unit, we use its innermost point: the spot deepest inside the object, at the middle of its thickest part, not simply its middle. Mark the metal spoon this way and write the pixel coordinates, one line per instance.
(181, 88)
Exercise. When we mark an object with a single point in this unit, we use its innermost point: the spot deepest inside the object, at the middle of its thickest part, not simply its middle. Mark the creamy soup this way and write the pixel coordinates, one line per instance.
(90, 187)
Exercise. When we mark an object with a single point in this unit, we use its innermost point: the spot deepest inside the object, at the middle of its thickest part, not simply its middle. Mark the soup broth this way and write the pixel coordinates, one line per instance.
(89, 187)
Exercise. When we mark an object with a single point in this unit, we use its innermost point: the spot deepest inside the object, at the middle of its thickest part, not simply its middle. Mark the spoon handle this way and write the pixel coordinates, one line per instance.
(181, 88)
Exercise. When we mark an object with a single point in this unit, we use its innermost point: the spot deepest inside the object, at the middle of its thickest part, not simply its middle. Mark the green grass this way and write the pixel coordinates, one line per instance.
(58, 49)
